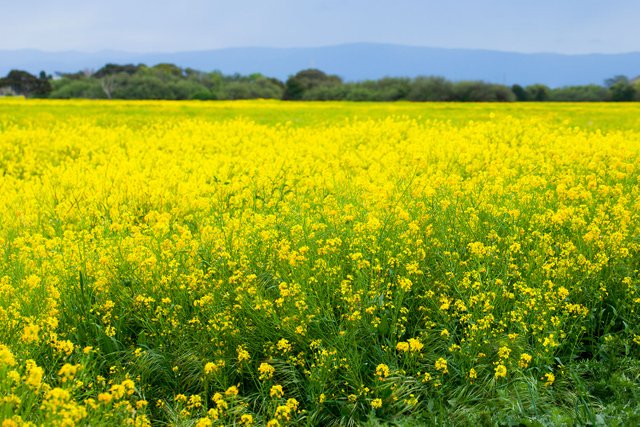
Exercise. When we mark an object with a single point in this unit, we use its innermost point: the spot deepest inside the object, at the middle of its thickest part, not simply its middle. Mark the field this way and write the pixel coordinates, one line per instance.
(278, 264)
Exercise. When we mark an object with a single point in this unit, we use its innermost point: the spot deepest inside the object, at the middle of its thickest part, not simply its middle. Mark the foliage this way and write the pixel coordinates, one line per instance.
(76, 88)
(168, 81)
(23, 83)
(431, 89)
(297, 86)
(622, 90)
(588, 93)
(475, 91)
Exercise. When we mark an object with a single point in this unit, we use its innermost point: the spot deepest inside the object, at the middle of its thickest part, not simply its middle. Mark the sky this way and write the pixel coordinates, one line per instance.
(561, 26)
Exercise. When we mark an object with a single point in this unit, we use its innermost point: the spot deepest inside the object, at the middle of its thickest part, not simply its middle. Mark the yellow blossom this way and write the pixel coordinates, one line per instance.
(500, 371)
(266, 371)
(276, 391)
(441, 365)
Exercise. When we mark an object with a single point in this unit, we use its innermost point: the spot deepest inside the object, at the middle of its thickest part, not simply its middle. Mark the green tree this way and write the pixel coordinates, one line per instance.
(477, 91)
(77, 88)
(621, 89)
(112, 69)
(538, 92)
(585, 93)
(520, 93)
(431, 89)
(26, 84)
(305, 80)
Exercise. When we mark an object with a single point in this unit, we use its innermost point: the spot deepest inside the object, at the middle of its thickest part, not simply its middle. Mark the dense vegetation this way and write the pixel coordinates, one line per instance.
(168, 81)
(273, 263)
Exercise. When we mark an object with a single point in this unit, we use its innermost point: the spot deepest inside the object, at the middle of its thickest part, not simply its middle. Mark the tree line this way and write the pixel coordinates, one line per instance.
(168, 81)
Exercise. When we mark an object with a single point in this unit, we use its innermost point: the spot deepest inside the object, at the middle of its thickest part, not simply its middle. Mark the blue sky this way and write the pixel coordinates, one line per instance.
(564, 26)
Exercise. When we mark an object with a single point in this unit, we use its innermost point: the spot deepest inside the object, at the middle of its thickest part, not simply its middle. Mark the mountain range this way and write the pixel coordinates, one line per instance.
(353, 62)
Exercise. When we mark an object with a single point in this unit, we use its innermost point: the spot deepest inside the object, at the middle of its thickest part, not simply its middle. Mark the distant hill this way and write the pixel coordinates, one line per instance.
(358, 61)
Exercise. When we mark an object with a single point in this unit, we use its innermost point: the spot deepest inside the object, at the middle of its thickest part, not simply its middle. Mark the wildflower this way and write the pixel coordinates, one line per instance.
(210, 368)
(402, 346)
(204, 422)
(6, 357)
(472, 375)
(276, 391)
(382, 371)
(231, 391)
(548, 378)
(405, 284)
(441, 365)
(376, 403)
(283, 345)
(30, 333)
(34, 374)
(195, 402)
(500, 371)
(524, 361)
(415, 345)
(283, 412)
(105, 398)
(266, 371)
(243, 354)
(246, 419)
(293, 403)
(68, 372)
(504, 352)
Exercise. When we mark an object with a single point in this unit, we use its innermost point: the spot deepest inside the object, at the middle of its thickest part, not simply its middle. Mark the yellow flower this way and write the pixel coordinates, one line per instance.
(266, 371)
(105, 398)
(34, 374)
(276, 391)
(415, 345)
(524, 361)
(204, 422)
(402, 346)
(500, 371)
(376, 403)
(6, 357)
(441, 365)
(210, 368)
(243, 354)
(293, 404)
(195, 402)
(504, 352)
(382, 371)
(283, 412)
(246, 419)
(283, 345)
(30, 333)
(68, 372)
(231, 391)
(548, 378)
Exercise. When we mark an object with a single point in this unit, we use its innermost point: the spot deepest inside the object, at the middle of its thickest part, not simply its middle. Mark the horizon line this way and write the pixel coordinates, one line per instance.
(337, 45)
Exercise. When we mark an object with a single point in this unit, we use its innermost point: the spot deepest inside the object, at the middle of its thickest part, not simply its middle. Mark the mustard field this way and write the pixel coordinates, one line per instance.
(286, 264)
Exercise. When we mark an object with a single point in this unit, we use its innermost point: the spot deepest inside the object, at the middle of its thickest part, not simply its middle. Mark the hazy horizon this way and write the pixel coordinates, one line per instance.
(561, 27)
(133, 52)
